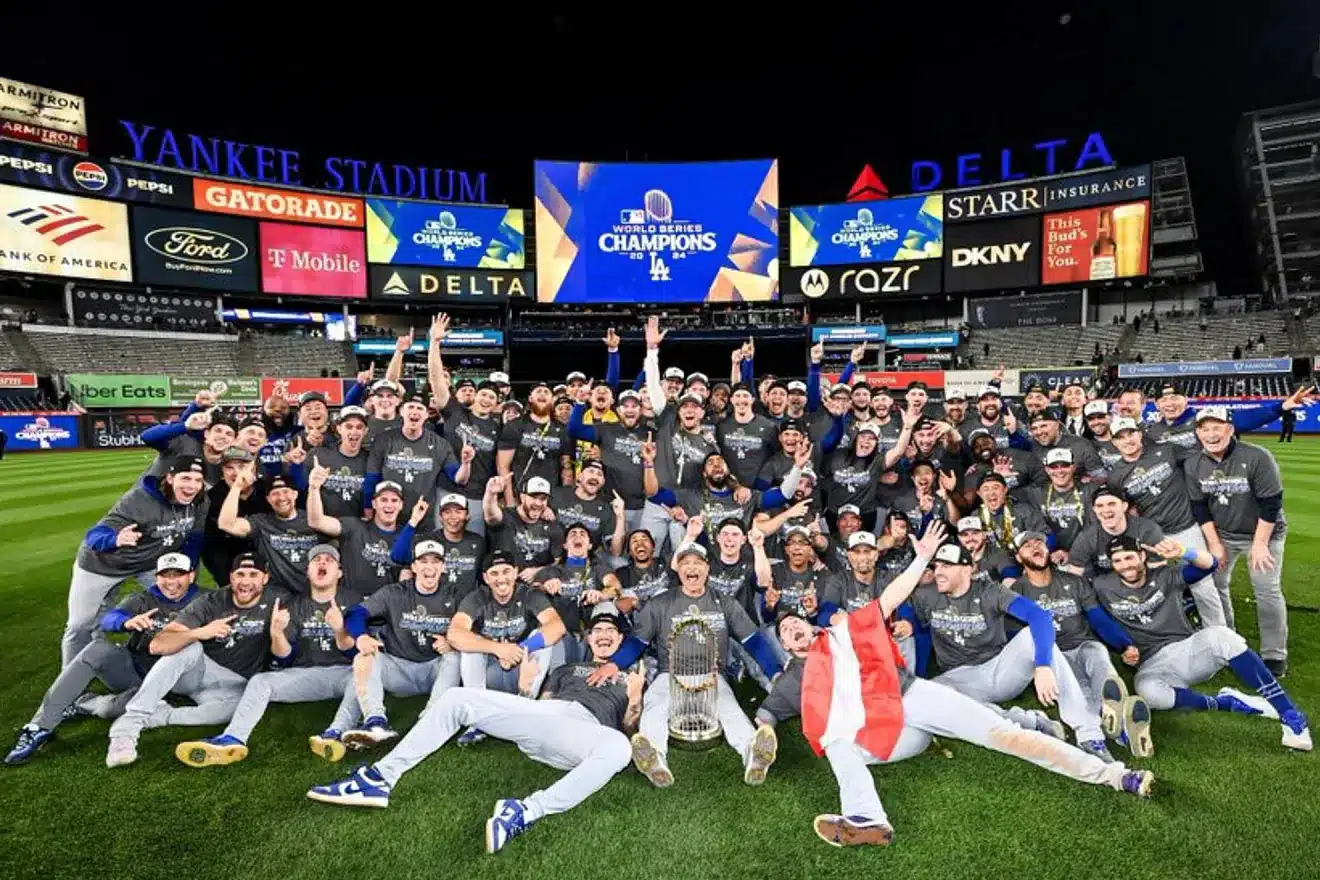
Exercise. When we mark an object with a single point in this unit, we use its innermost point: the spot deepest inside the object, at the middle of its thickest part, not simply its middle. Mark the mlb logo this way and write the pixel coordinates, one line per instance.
(632, 215)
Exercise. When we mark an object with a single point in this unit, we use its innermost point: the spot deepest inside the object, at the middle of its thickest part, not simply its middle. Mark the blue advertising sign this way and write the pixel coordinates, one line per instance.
(53, 169)
(1205, 368)
(657, 233)
(461, 236)
(848, 335)
(975, 169)
(923, 340)
(869, 232)
(455, 339)
(274, 316)
(39, 430)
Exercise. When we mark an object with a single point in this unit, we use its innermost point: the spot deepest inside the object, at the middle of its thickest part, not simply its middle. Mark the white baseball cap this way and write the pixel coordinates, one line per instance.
(388, 486)
(689, 548)
(798, 386)
(1118, 426)
(674, 373)
(352, 412)
(1096, 408)
(453, 498)
(861, 539)
(698, 377)
(174, 562)
(629, 394)
(850, 508)
(576, 375)
(970, 524)
(1058, 455)
(536, 486)
(424, 548)
(499, 378)
(1218, 413)
(385, 385)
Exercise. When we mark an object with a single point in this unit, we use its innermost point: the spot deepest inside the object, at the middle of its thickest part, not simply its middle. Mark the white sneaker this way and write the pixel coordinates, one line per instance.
(123, 751)
(1260, 704)
(1299, 740)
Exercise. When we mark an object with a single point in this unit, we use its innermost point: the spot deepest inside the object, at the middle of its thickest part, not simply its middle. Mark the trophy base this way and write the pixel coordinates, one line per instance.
(696, 740)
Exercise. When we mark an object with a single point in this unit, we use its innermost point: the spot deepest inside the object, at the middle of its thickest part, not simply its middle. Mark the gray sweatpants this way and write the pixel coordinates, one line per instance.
(215, 689)
(1271, 612)
(1007, 675)
(110, 662)
(1091, 665)
(1193, 660)
(931, 709)
(559, 733)
(402, 678)
(738, 730)
(88, 594)
(300, 684)
(1212, 606)
(482, 671)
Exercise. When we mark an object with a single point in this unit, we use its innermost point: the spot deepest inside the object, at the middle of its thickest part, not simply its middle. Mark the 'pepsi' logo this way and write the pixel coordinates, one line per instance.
(90, 176)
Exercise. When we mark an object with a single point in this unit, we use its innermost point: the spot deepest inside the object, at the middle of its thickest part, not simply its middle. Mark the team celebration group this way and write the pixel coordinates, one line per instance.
(886, 568)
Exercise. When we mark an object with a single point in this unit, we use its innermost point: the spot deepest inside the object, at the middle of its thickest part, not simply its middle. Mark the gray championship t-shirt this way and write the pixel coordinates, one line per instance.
(1156, 484)
(532, 544)
(1089, 551)
(164, 528)
(715, 508)
(607, 700)
(967, 630)
(482, 435)
(574, 581)
(644, 584)
(848, 593)
(747, 447)
(139, 643)
(511, 622)
(536, 449)
(596, 514)
(621, 453)
(313, 639)
(1152, 613)
(246, 650)
(1231, 487)
(342, 493)
(680, 457)
(1067, 598)
(794, 587)
(462, 558)
(285, 544)
(364, 551)
(412, 619)
(657, 621)
(416, 465)
(1066, 513)
(376, 427)
(734, 580)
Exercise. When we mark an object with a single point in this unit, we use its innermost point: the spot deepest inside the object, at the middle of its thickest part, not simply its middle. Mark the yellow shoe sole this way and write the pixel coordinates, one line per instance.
(331, 750)
(205, 754)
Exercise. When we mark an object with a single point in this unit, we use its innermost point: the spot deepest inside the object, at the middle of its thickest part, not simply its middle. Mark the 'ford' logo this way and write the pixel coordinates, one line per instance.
(196, 245)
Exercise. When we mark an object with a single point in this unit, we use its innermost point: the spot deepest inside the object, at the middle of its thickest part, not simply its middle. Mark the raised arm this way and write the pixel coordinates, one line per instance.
(316, 518)
(435, 368)
(898, 590)
(228, 519)
(654, 390)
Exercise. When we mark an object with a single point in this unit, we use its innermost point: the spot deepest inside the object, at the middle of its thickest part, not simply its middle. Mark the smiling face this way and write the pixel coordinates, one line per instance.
(692, 572)
(174, 583)
(1061, 474)
(1035, 555)
(952, 578)
(277, 410)
(1111, 512)
(1171, 406)
(386, 402)
(484, 401)
(591, 480)
(731, 540)
(862, 559)
(314, 414)
(246, 585)
(993, 493)
(454, 517)
(1045, 432)
(1074, 398)
(973, 540)
(716, 471)
(252, 438)
(387, 505)
(989, 407)
(603, 639)
(186, 486)
(630, 412)
(1130, 404)
(798, 551)
(501, 579)
(742, 403)
(1130, 566)
(428, 568)
(351, 432)
(219, 437)
(283, 501)
(866, 444)
(641, 548)
(1214, 435)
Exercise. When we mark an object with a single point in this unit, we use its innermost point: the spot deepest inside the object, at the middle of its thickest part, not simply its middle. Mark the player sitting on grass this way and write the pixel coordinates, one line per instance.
(860, 705)
(574, 726)
(1170, 657)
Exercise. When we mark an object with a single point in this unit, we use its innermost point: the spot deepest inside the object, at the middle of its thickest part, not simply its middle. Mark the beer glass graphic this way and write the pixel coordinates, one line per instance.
(1130, 238)
(658, 206)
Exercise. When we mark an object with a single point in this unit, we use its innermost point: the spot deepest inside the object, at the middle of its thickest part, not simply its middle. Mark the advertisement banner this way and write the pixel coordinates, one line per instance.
(142, 311)
(898, 381)
(115, 431)
(228, 391)
(1001, 201)
(1206, 368)
(455, 339)
(311, 261)
(992, 255)
(471, 285)
(459, 236)
(44, 168)
(930, 358)
(657, 233)
(292, 389)
(18, 380)
(1056, 378)
(45, 233)
(277, 204)
(973, 382)
(275, 316)
(1096, 244)
(1098, 189)
(871, 232)
(42, 116)
(33, 431)
(1038, 310)
(861, 282)
(831, 335)
(106, 390)
(942, 339)
(187, 249)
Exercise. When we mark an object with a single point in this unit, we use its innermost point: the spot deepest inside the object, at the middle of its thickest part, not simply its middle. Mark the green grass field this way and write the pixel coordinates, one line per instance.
(1230, 801)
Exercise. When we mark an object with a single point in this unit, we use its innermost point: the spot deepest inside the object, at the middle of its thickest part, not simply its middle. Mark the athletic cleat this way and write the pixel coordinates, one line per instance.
(1247, 704)
(1296, 733)
(760, 755)
(852, 831)
(77, 709)
(1048, 726)
(469, 737)
(650, 763)
(376, 730)
(1096, 747)
(1112, 694)
(30, 739)
(214, 752)
(509, 821)
(1135, 733)
(123, 751)
(365, 788)
(328, 745)
(1277, 668)
(1139, 782)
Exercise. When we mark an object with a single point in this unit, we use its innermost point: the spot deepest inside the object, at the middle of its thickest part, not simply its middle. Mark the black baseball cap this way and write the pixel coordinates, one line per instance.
(278, 481)
(312, 397)
(466, 383)
(792, 425)
(594, 464)
(221, 419)
(1045, 415)
(578, 526)
(994, 478)
(251, 421)
(486, 384)
(917, 385)
(249, 561)
(743, 386)
(1037, 388)
(1170, 388)
(613, 618)
(499, 557)
(1123, 544)
(187, 464)
(1109, 492)
(922, 462)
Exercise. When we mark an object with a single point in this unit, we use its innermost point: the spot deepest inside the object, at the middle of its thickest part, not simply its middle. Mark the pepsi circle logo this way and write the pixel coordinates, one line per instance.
(90, 176)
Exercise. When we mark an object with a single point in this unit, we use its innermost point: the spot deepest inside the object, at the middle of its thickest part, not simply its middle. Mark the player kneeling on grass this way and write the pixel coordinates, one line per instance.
(207, 653)
(308, 643)
(576, 726)
(860, 705)
(119, 667)
(409, 655)
(1170, 656)
(658, 620)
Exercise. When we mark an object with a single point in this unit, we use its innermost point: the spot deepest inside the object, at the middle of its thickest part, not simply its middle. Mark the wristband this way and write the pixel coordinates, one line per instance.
(1190, 554)
(650, 466)
(534, 642)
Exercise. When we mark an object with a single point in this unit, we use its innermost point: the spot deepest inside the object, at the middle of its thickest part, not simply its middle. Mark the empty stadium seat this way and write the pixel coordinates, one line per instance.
(280, 355)
(106, 353)
(1183, 339)
(1057, 346)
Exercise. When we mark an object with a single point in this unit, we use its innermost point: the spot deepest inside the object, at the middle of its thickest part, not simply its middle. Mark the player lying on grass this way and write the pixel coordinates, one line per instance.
(574, 726)
(1170, 657)
(860, 705)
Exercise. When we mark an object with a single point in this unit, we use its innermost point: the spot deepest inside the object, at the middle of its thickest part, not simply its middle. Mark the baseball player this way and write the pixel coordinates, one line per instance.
(282, 536)
(574, 584)
(309, 646)
(527, 531)
(464, 549)
(1170, 657)
(207, 654)
(747, 438)
(412, 456)
(198, 431)
(364, 546)
(602, 513)
(991, 562)
(341, 494)
(1237, 497)
(645, 576)
(1046, 429)
(1100, 433)
(219, 548)
(1177, 423)
(155, 517)
(861, 705)
(475, 424)
(1003, 519)
(1064, 504)
(119, 667)
(1088, 554)
(654, 624)
(620, 445)
(535, 445)
(574, 726)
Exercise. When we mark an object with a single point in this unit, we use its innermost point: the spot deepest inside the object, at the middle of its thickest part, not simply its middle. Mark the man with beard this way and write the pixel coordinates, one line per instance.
(1237, 496)
(1003, 519)
(991, 563)
(309, 647)
(181, 437)
(207, 653)
(717, 407)
(155, 517)
(1132, 405)
(476, 425)
(792, 434)
(1170, 657)
(937, 442)
(1088, 555)
(620, 445)
(364, 546)
(573, 727)
(1047, 434)
(856, 472)
(1078, 617)
(1151, 478)
(534, 446)
(464, 549)
(645, 576)
(346, 462)
(526, 532)
(800, 510)
(955, 410)
(927, 499)
(1018, 468)
(574, 583)
(992, 418)
(747, 439)
(283, 536)
(219, 548)
(1062, 502)
(414, 457)
(585, 504)
(280, 427)
(797, 400)
(1035, 400)
(1098, 431)
(655, 625)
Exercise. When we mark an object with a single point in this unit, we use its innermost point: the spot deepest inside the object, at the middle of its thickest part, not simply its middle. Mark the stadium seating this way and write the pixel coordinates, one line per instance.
(1183, 339)
(86, 353)
(281, 355)
(1041, 346)
(9, 359)
(1278, 385)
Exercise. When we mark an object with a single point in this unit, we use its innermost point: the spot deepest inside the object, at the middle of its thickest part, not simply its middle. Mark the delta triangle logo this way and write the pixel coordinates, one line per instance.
(396, 286)
(868, 187)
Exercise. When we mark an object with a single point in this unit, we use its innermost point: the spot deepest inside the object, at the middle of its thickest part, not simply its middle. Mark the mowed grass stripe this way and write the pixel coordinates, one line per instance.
(36, 462)
(54, 490)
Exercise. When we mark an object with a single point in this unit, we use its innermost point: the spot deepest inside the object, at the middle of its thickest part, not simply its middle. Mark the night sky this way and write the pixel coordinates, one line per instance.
(825, 93)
